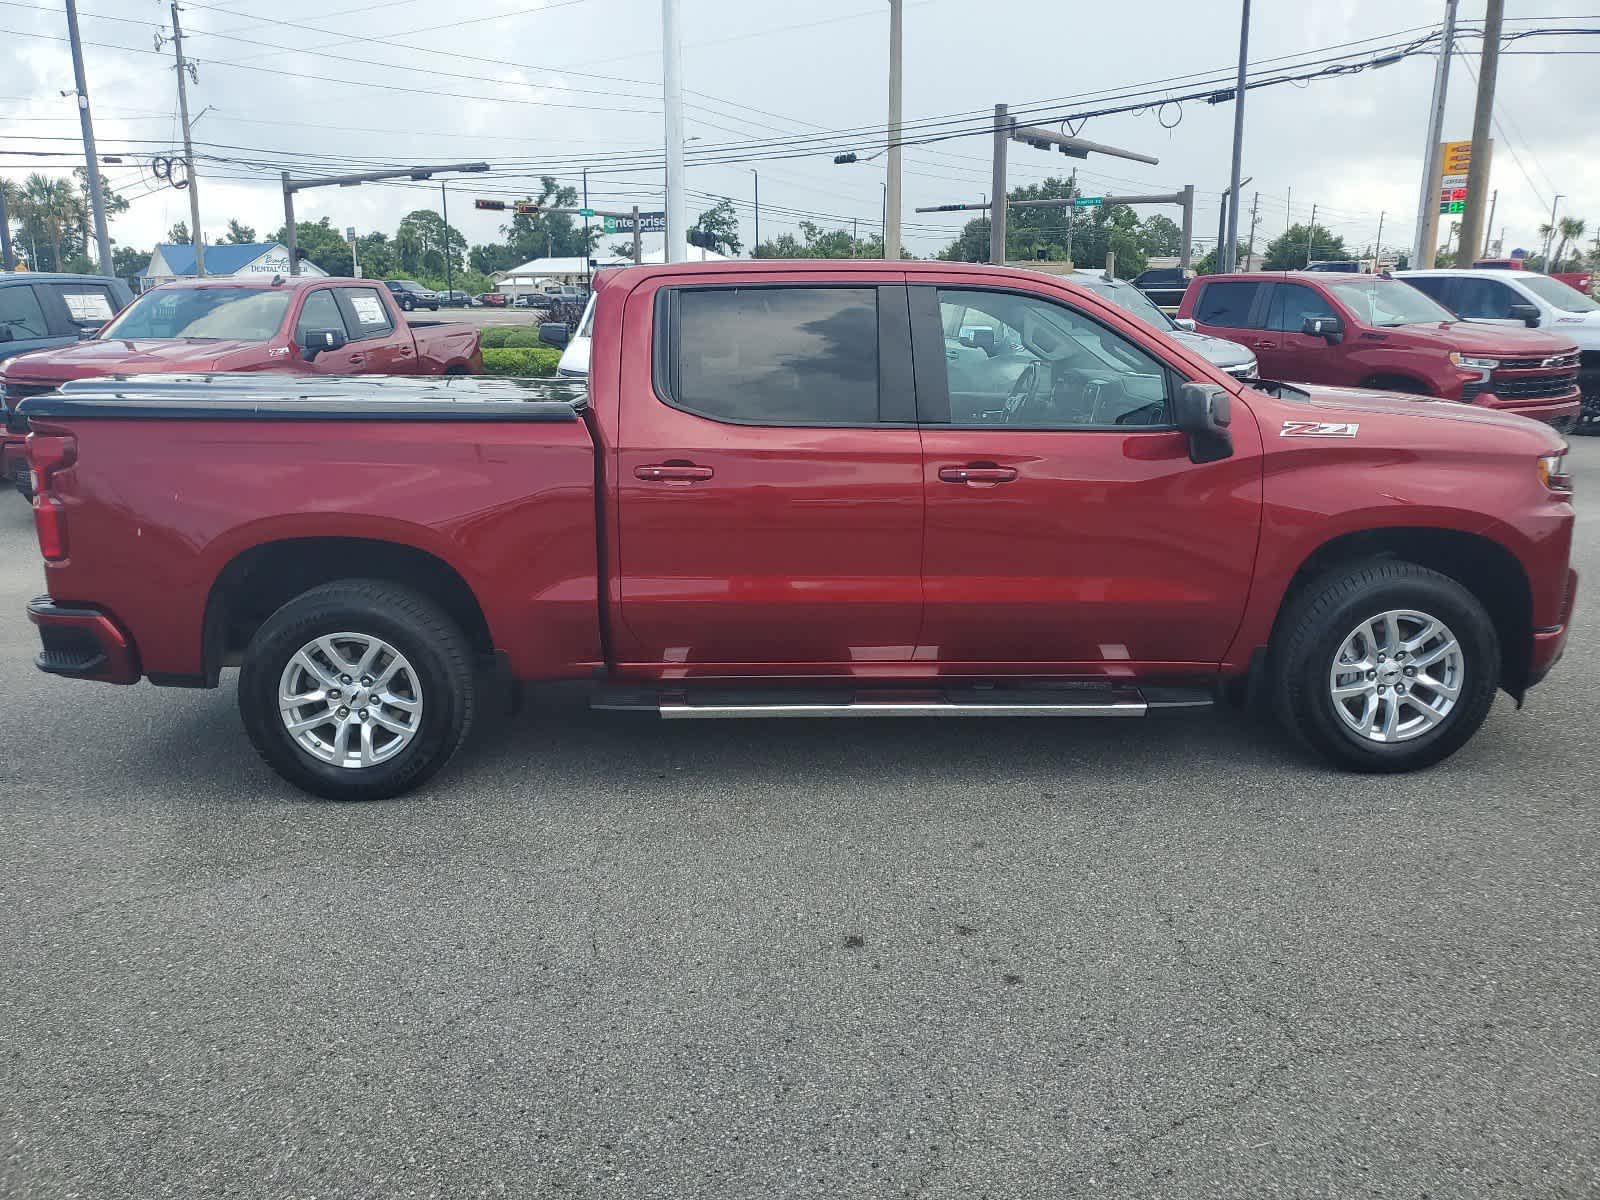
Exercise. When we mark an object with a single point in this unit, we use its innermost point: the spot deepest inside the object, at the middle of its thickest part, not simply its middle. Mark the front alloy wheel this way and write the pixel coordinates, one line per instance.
(1396, 676)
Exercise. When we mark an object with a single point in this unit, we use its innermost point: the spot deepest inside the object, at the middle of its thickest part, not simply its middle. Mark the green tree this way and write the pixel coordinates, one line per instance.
(51, 206)
(1207, 263)
(239, 235)
(1085, 238)
(1571, 231)
(722, 223)
(179, 234)
(1291, 249)
(321, 244)
(539, 234)
(423, 242)
(1160, 236)
(127, 262)
(377, 256)
(817, 242)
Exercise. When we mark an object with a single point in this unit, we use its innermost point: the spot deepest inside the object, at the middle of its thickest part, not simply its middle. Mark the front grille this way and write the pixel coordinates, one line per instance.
(1562, 362)
(1536, 387)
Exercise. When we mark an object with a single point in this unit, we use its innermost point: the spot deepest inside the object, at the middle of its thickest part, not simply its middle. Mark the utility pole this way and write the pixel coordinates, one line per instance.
(638, 238)
(1185, 244)
(891, 200)
(755, 251)
(1549, 238)
(444, 210)
(586, 228)
(187, 71)
(855, 236)
(90, 158)
(1311, 232)
(1228, 223)
(997, 210)
(8, 260)
(672, 98)
(1472, 222)
(1377, 252)
(1250, 249)
(1425, 247)
(1225, 258)
(1488, 226)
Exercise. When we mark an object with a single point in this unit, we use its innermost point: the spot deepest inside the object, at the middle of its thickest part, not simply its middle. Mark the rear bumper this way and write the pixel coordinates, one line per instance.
(1550, 644)
(82, 643)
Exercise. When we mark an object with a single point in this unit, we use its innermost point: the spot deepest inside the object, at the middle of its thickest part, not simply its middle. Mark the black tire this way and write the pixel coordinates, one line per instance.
(408, 621)
(407, 304)
(1311, 631)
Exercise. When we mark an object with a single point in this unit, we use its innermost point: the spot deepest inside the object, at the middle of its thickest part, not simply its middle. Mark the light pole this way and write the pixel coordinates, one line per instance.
(672, 101)
(755, 251)
(1425, 247)
(1225, 257)
(891, 194)
(1549, 238)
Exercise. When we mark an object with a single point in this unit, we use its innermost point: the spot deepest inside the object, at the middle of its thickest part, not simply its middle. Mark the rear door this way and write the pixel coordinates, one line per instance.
(380, 340)
(1066, 529)
(1473, 297)
(25, 317)
(1295, 355)
(769, 478)
(1236, 310)
(77, 309)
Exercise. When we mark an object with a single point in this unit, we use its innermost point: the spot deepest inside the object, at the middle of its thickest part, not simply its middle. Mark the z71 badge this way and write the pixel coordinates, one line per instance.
(1319, 429)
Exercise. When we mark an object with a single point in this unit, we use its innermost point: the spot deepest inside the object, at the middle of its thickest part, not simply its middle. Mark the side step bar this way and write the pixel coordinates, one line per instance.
(1066, 701)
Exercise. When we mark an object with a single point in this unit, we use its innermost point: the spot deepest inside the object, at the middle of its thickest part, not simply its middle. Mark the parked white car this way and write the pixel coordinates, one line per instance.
(574, 362)
(1524, 298)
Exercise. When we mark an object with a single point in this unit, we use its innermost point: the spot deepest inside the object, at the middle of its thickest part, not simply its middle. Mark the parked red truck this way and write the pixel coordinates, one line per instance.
(324, 326)
(1370, 331)
(805, 489)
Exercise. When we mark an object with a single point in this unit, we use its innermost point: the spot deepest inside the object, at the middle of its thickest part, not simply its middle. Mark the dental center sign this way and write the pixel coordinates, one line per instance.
(273, 262)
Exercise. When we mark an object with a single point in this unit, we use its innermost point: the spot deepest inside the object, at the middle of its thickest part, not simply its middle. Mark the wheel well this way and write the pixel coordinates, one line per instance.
(1484, 567)
(264, 578)
(1408, 384)
(456, 369)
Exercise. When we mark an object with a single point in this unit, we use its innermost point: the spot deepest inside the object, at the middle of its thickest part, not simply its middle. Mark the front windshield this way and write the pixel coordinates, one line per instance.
(235, 313)
(1558, 294)
(1388, 302)
(1132, 300)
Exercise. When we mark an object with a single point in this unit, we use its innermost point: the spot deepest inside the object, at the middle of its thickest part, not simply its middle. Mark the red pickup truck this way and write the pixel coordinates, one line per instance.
(325, 326)
(805, 489)
(1371, 331)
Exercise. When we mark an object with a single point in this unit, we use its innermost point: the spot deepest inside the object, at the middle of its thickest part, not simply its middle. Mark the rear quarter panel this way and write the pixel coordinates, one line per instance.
(440, 347)
(156, 510)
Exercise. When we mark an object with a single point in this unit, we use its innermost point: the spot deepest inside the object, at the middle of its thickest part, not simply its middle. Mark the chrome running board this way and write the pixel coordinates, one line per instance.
(1089, 700)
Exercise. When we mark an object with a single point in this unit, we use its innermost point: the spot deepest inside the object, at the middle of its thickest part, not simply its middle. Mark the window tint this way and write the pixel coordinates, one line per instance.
(88, 305)
(1482, 298)
(1226, 304)
(1027, 363)
(321, 312)
(1439, 288)
(365, 314)
(1292, 303)
(20, 313)
(778, 355)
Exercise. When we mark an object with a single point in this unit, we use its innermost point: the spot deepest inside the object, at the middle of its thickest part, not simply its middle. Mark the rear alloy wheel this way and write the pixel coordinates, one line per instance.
(1385, 666)
(357, 690)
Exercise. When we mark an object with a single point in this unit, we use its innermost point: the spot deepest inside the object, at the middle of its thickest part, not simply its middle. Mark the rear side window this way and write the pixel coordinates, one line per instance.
(775, 355)
(1226, 304)
(365, 314)
(1436, 286)
(89, 305)
(20, 313)
(1482, 298)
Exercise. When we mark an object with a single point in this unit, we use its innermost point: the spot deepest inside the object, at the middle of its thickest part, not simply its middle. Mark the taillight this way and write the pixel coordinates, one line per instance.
(49, 454)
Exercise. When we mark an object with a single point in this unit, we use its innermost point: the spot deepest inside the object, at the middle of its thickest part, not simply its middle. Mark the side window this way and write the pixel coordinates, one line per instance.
(1292, 303)
(21, 314)
(773, 355)
(1226, 304)
(1436, 287)
(1483, 298)
(321, 312)
(88, 305)
(364, 312)
(1046, 367)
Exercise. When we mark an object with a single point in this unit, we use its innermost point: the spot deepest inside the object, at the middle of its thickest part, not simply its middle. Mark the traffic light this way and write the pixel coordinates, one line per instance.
(493, 205)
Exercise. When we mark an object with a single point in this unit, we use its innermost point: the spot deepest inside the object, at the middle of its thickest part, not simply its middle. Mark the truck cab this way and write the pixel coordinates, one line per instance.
(1373, 331)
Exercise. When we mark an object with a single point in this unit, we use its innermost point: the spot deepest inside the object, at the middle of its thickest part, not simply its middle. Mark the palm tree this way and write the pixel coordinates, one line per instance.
(1546, 232)
(1571, 230)
(51, 203)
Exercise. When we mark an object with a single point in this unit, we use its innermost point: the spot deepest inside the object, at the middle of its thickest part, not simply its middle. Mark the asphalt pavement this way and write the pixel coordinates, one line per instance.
(605, 957)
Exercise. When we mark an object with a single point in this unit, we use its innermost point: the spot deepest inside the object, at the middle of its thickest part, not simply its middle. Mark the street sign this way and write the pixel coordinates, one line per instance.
(492, 205)
(1519, 252)
(1456, 157)
(1088, 201)
(349, 233)
(649, 222)
(586, 212)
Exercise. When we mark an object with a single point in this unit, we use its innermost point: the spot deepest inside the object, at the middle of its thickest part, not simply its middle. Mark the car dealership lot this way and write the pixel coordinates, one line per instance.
(601, 956)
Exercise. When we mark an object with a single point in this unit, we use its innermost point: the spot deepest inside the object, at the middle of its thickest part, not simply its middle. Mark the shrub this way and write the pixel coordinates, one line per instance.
(523, 339)
(523, 362)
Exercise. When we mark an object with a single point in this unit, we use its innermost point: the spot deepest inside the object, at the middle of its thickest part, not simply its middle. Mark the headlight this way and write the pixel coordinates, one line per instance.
(1466, 360)
(1554, 475)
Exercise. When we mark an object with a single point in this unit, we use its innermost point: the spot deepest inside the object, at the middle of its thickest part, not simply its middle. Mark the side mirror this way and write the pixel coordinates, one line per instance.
(553, 333)
(1528, 314)
(1330, 328)
(88, 335)
(1187, 324)
(1203, 414)
(318, 340)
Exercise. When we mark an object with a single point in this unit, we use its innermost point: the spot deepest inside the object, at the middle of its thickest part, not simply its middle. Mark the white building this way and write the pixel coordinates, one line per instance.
(175, 260)
(539, 273)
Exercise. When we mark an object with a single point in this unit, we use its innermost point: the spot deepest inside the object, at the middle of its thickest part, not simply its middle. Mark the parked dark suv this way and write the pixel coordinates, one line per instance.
(409, 294)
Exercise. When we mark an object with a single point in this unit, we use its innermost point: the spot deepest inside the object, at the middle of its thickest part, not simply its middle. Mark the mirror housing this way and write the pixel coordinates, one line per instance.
(318, 340)
(554, 333)
(1187, 324)
(1528, 314)
(1203, 414)
(1331, 329)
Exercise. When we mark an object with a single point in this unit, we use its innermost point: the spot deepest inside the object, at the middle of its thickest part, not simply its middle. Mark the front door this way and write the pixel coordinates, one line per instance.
(1067, 531)
(378, 345)
(768, 478)
(1293, 353)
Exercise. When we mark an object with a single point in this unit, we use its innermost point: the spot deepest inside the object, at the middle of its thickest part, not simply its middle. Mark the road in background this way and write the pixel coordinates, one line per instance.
(607, 957)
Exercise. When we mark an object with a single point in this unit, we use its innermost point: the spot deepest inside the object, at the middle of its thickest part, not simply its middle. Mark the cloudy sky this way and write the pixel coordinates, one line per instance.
(548, 87)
